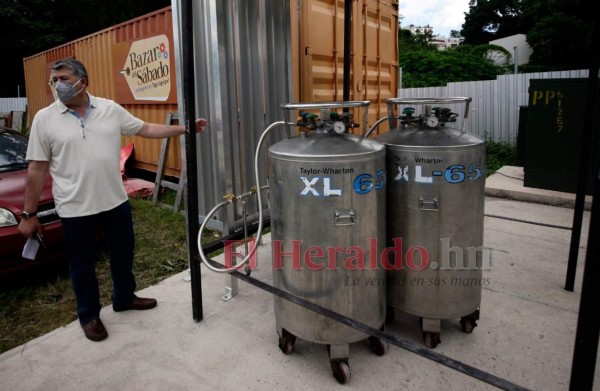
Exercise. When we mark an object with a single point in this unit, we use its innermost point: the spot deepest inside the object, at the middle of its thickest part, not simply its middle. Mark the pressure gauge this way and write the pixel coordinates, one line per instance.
(339, 127)
(432, 121)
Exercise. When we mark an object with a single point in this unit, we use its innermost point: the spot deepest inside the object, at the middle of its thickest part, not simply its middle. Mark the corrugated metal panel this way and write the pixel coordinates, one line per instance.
(36, 81)
(320, 53)
(243, 73)
(12, 104)
(494, 112)
(97, 52)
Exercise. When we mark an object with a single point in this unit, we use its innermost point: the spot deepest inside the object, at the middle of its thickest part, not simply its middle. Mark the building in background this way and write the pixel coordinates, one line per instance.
(517, 46)
(443, 43)
(419, 29)
(440, 41)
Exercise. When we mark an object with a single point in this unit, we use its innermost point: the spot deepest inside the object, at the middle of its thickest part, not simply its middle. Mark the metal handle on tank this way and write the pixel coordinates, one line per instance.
(287, 107)
(424, 101)
(250, 254)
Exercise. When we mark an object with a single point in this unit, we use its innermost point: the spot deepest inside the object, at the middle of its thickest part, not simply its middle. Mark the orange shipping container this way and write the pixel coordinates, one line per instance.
(127, 61)
(318, 53)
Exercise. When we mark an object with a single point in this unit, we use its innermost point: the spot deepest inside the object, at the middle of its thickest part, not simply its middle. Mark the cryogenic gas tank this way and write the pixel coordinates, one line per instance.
(436, 187)
(327, 198)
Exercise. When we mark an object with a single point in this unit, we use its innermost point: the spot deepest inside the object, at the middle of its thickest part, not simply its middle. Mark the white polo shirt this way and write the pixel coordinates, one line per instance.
(83, 154)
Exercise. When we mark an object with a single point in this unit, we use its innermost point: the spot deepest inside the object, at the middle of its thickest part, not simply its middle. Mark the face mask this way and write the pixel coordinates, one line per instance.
(66, 92)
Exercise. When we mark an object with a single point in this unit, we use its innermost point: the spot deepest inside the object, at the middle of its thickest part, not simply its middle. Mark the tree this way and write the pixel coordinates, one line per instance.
(455, 34)
(558, 31)
(32, 26)
(423, 65)
(408, 41)
(561, 41)
(431, 68)
(492, 19)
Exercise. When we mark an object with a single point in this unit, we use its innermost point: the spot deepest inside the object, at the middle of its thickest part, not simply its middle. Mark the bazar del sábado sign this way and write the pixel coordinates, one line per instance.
(148, 70)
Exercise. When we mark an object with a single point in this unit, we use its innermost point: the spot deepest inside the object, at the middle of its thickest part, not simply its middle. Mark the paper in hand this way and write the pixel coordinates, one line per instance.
(31, 248)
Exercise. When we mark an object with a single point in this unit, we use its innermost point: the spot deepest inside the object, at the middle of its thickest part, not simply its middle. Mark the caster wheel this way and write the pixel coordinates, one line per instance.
(390, 316)
(341, 371)
(378, 346)
(286, 344)
(469, 322)
(468, 325)
(431, 339)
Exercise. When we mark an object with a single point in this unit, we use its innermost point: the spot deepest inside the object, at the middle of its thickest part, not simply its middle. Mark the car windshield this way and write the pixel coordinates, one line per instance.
(13, 148)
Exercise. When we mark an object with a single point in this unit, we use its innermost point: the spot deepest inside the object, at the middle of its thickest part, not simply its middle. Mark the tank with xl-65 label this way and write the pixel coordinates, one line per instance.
(436, 185)
(327, 192)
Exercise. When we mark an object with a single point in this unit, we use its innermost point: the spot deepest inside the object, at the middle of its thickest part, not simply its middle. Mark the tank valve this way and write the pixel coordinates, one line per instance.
(444, 114)
(407, 116)
(307, 120)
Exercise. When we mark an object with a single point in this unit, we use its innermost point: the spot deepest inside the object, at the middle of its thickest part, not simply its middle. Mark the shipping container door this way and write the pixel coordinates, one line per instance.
(320, 52)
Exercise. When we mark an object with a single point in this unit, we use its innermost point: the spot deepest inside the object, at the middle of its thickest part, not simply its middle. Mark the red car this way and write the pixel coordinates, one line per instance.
(13, 173)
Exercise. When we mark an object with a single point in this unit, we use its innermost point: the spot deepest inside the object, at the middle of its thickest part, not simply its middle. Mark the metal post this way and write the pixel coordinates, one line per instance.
(232, 290)
(189, 102)
(347, 49)
(588, 323)
(586, 145)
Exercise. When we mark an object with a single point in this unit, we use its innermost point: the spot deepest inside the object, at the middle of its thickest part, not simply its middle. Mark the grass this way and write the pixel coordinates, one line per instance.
(38, 308)
(499, 154)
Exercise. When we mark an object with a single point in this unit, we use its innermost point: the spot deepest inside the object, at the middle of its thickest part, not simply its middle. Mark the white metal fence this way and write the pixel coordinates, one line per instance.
(13, 104)
(494, 111)
(12, 111)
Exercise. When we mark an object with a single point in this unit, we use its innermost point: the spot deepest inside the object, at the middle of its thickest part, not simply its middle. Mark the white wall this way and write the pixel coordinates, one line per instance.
(519, 42)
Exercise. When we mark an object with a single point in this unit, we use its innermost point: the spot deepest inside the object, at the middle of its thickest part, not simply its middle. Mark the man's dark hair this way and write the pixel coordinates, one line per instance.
(73, 65)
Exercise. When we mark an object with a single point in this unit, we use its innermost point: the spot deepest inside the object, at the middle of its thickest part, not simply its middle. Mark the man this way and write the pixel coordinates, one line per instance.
(78, 138)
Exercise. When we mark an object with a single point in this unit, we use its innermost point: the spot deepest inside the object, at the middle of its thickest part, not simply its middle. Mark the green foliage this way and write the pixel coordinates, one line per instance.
(437, 68)
(455, 34)
(492, 19)
(558, 31)
(408, 41)
(464, 48)
(499, 154)
(530, 68)
(497, 54)
(423, 65)
(561, 41)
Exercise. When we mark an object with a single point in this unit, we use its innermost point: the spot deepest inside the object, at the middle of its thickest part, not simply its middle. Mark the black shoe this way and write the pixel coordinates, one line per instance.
(95, 330)
(138, 303)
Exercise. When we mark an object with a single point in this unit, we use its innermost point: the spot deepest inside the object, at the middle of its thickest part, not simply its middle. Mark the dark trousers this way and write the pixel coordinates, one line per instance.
(80, 238)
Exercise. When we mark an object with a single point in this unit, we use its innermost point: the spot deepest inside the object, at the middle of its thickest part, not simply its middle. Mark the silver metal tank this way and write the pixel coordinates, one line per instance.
(327, 198)
(435, 212)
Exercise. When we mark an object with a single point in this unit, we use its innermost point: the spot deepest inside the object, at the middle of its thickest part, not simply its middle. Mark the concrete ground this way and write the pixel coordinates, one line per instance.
(525, 334)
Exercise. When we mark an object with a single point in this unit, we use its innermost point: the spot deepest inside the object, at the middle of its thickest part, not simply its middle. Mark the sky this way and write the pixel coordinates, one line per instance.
(442, 15)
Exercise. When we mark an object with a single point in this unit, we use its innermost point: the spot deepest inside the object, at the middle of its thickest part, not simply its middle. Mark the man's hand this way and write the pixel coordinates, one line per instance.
(151, 130)
(200, 124)
(34, 184)
(28, 226)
